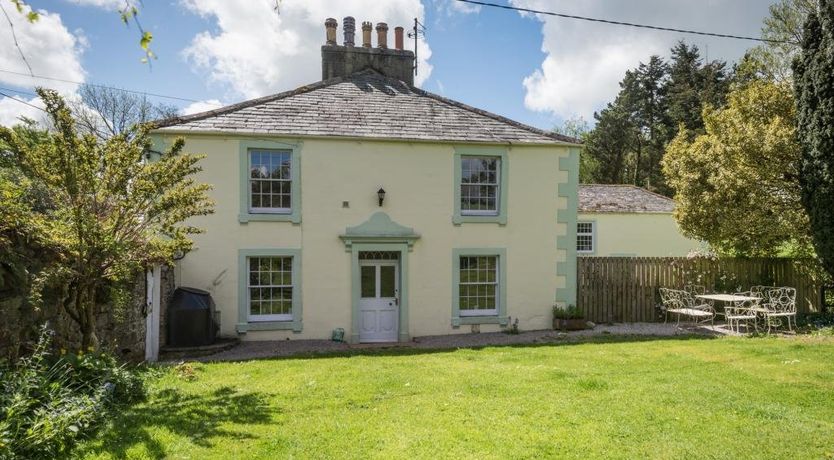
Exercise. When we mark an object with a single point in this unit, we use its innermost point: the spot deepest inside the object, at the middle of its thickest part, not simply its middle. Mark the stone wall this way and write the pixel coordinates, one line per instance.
(121, 331)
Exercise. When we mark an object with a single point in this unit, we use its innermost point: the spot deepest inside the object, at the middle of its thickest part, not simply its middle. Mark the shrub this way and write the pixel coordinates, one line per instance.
(47, 403)
(571, 312)
(817, 323)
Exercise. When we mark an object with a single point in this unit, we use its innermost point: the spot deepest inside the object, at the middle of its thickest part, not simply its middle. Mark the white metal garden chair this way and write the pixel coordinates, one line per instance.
(779, 303)
(760, 292)
(742, 312)
(681, 303)
(695, 290)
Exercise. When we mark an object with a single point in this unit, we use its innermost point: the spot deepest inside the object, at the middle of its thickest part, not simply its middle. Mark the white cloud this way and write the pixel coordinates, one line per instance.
(201, 106)
(50, 49)
(114, 5)
(11, 110)
(454, 6)
(584, 61)
(254, 51)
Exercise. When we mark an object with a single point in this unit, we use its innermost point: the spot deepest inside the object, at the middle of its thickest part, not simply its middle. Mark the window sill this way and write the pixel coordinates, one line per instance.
(499, 219)
(466, 320)
(294, 326)
(269, 217)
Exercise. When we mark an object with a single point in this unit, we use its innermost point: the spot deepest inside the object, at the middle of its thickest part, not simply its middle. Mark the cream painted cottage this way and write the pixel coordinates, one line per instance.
(629, 221)
(364, 203)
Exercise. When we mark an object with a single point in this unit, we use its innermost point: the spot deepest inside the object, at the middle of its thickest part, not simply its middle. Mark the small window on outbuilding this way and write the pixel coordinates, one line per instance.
(585, 237)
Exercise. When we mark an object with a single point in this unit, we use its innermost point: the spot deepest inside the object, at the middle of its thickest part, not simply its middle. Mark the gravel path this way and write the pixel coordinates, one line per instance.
(282, 348)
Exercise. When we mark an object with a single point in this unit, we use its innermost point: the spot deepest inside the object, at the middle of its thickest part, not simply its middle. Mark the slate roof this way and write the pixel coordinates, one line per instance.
(622, 198)
(364, 105)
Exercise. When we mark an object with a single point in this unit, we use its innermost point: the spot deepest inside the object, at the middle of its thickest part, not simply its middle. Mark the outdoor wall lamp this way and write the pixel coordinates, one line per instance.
(381, 195)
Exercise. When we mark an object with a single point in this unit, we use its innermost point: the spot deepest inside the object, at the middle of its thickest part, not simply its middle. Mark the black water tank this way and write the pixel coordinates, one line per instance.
(191, 318)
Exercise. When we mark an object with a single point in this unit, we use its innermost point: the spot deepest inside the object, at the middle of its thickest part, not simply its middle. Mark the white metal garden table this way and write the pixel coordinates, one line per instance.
(731, 299)
(728, 297)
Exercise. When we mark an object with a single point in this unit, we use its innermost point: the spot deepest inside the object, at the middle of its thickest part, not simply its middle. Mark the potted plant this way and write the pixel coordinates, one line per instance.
(568, 319)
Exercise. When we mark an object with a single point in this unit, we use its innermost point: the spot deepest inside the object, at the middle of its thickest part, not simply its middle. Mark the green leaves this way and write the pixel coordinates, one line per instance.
(145, 41)
(814, 87)
(112, 212)
(631, 134)
(736, 184)
(130, 13)
(31, 16)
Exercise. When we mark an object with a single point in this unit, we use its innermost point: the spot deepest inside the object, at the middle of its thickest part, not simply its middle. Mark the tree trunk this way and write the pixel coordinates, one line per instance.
(89, 340)
(639, 153)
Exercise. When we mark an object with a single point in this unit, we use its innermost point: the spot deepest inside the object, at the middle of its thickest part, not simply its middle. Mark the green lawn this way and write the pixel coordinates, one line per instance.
(614, 398)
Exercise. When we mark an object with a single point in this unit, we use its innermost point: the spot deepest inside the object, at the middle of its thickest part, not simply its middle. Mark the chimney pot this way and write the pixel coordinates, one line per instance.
(398, 38)
(330, 26)
(349, 26)
(343, 59)
(382, 35)
(366, 34)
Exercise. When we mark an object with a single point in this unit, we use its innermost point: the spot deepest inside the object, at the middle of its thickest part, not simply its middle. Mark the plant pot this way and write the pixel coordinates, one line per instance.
(569, 324)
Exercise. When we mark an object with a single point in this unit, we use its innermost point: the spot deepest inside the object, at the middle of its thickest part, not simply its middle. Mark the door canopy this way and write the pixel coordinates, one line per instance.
(379, 228)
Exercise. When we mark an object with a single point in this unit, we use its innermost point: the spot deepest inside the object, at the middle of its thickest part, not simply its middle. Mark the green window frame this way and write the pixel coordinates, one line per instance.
(500, 317)
(244, 323)
(460, 216)
(247, 148)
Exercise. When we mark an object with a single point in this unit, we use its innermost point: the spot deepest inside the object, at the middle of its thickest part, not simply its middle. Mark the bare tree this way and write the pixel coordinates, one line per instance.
(106, 112)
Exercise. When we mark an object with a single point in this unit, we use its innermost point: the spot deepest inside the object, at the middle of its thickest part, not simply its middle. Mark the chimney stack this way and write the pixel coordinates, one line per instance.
(366, 34)
(349, 26)
(348, 58)
(398, 38)
(330, 26)
(382, 35)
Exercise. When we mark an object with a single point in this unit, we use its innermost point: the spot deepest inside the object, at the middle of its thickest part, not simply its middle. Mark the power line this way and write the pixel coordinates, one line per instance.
(620, 23)
(22, 102)
(14, 37)
(101, 86)
(19, 91)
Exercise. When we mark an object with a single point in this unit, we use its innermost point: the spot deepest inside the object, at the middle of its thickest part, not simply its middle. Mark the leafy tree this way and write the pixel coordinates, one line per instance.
(784, 27)
(814, 86)
(609, 144)
(112, 212)
(577, 128)
(633, 131)
(693, 84)
(648, 102)
(684, 87)
(737, 185)
(106, 112)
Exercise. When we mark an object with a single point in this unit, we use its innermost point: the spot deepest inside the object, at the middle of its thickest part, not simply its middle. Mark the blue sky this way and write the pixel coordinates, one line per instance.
(537, 70)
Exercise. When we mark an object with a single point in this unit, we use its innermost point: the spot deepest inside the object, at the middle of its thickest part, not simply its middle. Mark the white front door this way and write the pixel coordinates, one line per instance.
(379, 308)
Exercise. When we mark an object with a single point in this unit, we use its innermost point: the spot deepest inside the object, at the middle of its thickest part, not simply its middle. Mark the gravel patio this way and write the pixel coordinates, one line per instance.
(284, 348)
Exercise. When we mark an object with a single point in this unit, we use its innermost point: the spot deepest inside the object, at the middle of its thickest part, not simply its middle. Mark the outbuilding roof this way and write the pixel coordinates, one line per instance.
(365, 104)
(622, 199)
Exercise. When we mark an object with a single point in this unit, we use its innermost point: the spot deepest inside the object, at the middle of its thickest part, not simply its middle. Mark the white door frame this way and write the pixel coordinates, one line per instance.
(153, 299)
(379, 303)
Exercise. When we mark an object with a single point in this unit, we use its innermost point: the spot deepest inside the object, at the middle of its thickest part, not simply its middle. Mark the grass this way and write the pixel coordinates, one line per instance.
(610, 398)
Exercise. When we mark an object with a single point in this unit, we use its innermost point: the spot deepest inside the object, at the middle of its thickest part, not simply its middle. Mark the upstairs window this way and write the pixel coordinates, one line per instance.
(270, 181)
(480, 185)
(585, 237)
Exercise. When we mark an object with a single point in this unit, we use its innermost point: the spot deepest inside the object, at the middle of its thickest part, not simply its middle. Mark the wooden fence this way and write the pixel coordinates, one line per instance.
(625, 289)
